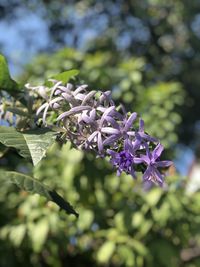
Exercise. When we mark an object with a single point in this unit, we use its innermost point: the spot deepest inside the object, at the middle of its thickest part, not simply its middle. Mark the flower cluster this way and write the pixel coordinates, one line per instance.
(91, 121)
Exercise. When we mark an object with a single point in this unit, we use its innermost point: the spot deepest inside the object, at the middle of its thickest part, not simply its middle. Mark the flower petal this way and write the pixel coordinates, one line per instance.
(148, 137)
(92, 136)
(138, 160)
(110, 130)
(73, 110)
(105, 96)
(106, 112)
(45, 114)
(41, 108)
(55, 100)
(136, 144)
(99, 142)
(158, 176)
(129, 122)
(86, 118)
(65, 89)
(112, 121)
(88, 97)
(164, 163)
(53, 89)
(147, 174)
(146, 159)
(111, 152)
(110, 140)
(130, 146)
(141, 125)
(80, 89)
(157, 151)
(93, 114)
(79, 97)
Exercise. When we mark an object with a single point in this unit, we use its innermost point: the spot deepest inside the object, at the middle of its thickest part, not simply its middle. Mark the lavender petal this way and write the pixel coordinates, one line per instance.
(130, 121)
(72, 111)
(157, 151)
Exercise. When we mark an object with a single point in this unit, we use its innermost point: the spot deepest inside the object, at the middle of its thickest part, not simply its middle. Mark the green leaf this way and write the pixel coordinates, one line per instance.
(138, 247)
(30, 144)
(17, 234)
(33, 185)
(153, 197)
(63, 76)
(126, 254)
(38, 234)
(6, 82)
(105, 252)
(85, 220)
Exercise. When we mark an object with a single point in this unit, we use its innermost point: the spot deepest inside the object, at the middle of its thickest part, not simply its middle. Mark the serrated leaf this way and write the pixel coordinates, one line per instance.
(38, 141)
(30, 144)
(6, 82)
(63, 76)
(33, 185)
(10, 137)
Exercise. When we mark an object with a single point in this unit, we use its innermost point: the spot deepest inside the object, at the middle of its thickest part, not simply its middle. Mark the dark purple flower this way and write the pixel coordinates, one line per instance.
(123, 161)
(150, 159)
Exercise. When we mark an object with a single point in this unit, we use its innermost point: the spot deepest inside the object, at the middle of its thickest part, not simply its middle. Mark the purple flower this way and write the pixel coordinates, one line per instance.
(118, 130)
(97, 135)
(150, 159)
(123, 161)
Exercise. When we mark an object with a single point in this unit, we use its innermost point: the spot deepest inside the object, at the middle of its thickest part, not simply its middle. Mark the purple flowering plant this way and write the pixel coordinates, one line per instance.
(91, 121)
(31, 120)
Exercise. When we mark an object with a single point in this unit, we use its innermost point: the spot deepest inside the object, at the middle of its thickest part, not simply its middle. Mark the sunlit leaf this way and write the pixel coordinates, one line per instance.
(126, 254)
(30, 144)
(138, 247)
(38, 234)
(105, 252)
(63, 76)
(17, 233)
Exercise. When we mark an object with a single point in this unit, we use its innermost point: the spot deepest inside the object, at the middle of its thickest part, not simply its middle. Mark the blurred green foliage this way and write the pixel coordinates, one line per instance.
(120, 224)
